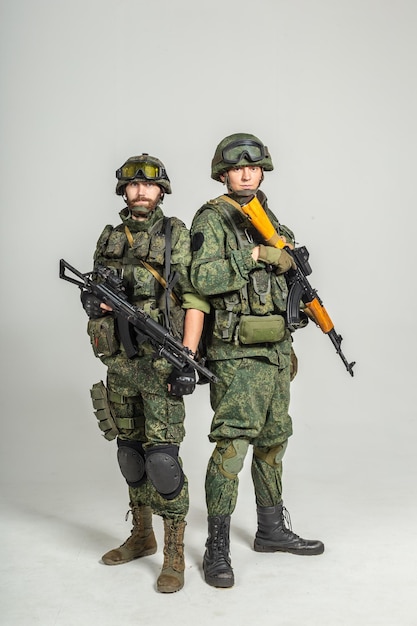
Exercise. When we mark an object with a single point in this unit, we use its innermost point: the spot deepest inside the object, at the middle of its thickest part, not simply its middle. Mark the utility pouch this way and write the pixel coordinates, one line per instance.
(225, 323)
(103, 336)
(261, 329)
(103, 411)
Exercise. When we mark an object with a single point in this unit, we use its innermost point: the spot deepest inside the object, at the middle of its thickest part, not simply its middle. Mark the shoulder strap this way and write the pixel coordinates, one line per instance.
(241, 240)
(231, 201)
(167, 285)
(170, 278)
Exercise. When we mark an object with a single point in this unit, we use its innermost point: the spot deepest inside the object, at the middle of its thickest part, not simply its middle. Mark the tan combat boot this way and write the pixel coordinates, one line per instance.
(141, 542)
(171, 577)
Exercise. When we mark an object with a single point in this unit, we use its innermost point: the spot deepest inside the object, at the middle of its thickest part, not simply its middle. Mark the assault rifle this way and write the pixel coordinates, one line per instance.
(134, 324)
(298, 284)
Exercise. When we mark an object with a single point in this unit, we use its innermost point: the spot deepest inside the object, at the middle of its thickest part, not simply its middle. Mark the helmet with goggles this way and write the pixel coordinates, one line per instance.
(143, 168)
(239, 150)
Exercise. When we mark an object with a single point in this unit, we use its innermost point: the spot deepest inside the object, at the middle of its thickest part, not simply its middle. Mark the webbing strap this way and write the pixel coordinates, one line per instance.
(118, 398)
(162, 281)
(232, 202)
(125, 423)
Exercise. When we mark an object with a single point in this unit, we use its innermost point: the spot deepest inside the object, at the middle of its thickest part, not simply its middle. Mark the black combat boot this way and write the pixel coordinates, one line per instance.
(217, 567)
(274, 535)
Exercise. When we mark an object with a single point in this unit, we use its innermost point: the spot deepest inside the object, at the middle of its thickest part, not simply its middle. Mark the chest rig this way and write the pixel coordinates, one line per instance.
(264, 294)
(143, 259)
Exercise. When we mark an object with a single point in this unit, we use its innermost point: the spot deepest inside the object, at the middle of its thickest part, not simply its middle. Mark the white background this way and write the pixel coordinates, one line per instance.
(330, 87)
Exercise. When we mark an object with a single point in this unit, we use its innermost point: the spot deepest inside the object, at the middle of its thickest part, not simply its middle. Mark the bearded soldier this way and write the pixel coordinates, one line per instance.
(142, 405)
(249, 350)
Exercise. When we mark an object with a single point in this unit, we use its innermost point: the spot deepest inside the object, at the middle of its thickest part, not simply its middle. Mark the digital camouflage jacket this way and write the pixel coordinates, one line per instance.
(224, 272)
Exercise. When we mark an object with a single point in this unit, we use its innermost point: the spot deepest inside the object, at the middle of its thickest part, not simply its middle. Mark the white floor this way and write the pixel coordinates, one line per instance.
(54, 534)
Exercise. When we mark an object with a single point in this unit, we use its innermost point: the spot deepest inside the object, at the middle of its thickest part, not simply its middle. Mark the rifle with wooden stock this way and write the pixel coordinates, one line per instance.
(299, 287)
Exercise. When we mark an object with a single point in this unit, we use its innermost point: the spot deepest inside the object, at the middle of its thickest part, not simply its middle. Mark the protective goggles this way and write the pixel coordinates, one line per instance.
(243, 148)
(149, 171)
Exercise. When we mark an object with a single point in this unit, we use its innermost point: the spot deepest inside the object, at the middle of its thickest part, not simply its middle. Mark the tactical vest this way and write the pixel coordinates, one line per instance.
(264, 294)
(140, 258)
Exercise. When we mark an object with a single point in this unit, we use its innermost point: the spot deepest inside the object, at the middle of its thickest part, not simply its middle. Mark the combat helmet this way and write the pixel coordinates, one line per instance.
(142, 167)
(239, 150)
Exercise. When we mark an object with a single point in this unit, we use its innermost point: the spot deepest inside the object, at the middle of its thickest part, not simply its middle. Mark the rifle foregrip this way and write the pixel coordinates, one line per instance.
(320, 315)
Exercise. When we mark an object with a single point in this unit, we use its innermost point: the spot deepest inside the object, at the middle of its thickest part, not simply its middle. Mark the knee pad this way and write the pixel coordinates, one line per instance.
(231, 458)
(271, 456)
(131, 459)
(164, 470)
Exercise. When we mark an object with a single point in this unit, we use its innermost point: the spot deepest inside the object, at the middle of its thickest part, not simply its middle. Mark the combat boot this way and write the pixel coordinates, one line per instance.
(141, 542)
(275, 534)
(171, 578)
(217, 566)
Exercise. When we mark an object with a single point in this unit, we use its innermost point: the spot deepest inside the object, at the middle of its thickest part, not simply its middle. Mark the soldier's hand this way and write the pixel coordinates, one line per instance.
(277, 257)
(182, 382)
(92, 305)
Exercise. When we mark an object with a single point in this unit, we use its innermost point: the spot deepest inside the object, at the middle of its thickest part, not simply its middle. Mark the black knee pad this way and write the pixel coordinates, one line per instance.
(164, 470)
(131, 459)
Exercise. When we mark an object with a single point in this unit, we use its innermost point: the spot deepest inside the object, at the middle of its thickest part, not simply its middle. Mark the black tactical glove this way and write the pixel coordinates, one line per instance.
(182, 381)
(278, 257)
(91, 305)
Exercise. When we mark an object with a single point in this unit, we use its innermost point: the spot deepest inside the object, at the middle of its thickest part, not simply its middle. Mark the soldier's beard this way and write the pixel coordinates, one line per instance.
(142, 207)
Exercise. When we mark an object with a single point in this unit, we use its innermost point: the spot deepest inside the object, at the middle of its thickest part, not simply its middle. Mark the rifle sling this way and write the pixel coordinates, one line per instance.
(275, 237)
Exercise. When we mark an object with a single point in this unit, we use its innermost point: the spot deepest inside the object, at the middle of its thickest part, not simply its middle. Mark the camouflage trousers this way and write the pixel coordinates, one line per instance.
(138, 397)
(250, 404)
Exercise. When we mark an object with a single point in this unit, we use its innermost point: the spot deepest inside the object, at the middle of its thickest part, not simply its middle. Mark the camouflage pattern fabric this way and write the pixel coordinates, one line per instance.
(137, 388)
(251, 399)
(250, 402)
(147, 244)
(224, 272)
(141, 384)
(140, 387)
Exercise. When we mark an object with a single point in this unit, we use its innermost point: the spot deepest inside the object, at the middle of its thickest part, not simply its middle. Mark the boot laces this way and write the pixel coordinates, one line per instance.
(287, 525)
(219, 539)
(220, 544)
(171, 544)
(286, 518)
(173, 549)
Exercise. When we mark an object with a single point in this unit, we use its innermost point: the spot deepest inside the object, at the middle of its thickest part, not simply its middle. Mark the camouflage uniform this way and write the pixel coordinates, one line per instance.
(135, 406)
(143, 409)
(251, 400)
(249, 349)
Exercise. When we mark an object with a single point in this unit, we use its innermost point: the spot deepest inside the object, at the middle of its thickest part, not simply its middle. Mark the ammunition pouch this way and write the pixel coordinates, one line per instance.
(261, 329)
(103, 336)
(103, 412)
(225, 323)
